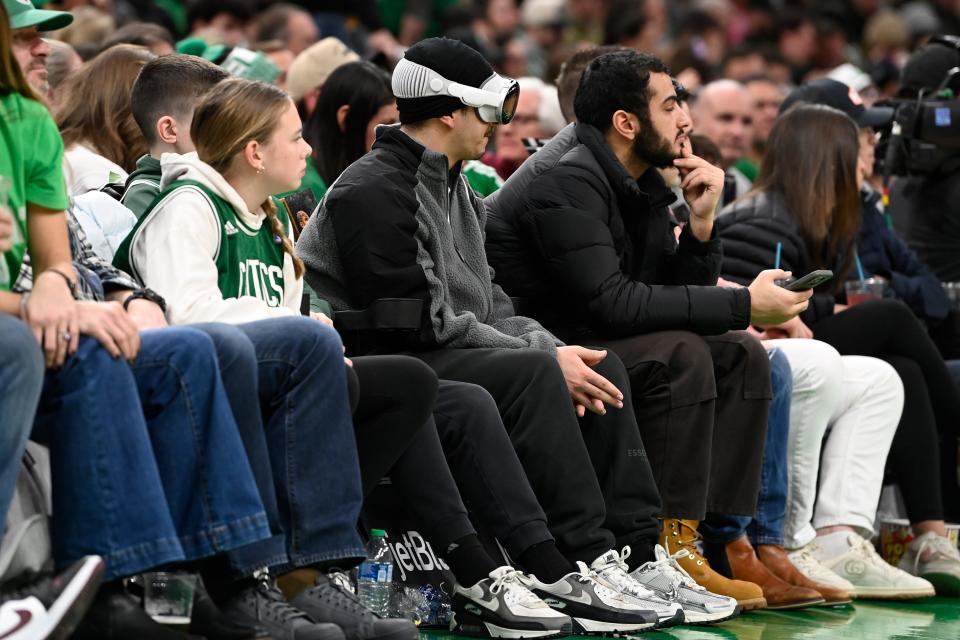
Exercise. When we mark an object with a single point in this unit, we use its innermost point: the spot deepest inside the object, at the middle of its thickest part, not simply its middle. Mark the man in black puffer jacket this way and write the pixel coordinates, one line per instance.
(582, 233)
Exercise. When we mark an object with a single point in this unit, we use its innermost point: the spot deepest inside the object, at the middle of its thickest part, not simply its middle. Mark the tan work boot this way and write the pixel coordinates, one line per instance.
(682, 534)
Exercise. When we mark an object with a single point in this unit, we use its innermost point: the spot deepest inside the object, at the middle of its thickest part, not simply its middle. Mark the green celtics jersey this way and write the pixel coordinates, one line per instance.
(31, 171)
(249, 261)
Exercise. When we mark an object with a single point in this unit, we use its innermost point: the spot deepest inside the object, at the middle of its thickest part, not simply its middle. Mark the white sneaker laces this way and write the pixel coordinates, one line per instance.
(618, 572)
(866, 548)
(669, 567)
(514, 589)
(939, 546)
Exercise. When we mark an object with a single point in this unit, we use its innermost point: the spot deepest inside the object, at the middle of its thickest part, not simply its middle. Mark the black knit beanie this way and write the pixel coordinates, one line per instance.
(454, 61)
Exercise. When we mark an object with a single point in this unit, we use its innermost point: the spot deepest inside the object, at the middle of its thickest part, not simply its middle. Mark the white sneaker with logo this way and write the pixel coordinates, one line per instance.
(871, 576)
(935, 559)
(611, 569)
(805, 560)
(502, 607)
(595, 608)
(667, 579)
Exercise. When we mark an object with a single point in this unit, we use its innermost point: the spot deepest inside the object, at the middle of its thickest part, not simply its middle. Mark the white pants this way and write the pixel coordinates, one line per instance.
(859, 401)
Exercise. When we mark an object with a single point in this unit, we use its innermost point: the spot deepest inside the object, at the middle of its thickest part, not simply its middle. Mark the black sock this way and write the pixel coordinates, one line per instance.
(219, 579)
(545, 561)
(468, 560)
(640, 553)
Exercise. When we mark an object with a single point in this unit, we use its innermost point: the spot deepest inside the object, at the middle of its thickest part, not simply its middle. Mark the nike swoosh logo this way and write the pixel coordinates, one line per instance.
(492, 605)
(25, 618)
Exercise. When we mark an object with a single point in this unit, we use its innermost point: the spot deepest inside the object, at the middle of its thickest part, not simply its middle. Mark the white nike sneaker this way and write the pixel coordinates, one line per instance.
(871, 576)
(668, 580)
(611, 569)
(805, 560)
(502, 607)
(941, 567)
(51, 607)
(594, 608)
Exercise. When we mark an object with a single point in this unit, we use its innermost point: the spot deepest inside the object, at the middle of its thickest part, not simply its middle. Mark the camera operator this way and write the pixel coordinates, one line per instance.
(925, 206)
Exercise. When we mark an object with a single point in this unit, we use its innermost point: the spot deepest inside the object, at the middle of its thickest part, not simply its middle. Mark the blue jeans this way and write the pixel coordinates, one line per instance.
(766, 527)
(148, 467)
(298, 434)
(21, 379)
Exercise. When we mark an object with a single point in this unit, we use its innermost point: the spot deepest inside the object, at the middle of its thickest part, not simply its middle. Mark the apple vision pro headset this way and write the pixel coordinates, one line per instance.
(495, 100)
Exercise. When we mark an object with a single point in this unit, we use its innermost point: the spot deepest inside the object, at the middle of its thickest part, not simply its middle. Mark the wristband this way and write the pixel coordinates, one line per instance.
(145, 294)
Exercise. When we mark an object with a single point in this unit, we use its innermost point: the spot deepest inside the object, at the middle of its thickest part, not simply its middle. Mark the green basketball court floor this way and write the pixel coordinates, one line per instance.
(932, 618)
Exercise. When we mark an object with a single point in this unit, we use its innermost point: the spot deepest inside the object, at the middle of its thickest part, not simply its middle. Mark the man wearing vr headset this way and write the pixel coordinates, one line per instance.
(403, 222)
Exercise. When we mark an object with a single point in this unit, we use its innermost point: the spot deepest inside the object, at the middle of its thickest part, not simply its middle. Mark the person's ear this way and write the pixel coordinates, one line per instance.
(450, 120)
(310, 100)
(253, 155)
(626, 124)
(342, 117)
(167, 130)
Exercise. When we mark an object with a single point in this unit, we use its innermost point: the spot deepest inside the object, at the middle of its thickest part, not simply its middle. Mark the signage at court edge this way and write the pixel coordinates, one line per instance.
(413, 553)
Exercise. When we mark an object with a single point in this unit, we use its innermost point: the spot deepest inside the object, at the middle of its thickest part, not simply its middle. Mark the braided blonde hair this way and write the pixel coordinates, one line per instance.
(229, 117)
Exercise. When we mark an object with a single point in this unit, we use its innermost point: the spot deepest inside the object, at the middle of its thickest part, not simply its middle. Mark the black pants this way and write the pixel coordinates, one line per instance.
(591, 476)
(701, 403)
(442, 445)
(925, 470)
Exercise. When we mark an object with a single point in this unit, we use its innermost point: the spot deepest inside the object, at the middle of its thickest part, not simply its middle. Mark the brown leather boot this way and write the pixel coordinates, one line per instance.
(776, 559)
(744, 565)
(682, 534)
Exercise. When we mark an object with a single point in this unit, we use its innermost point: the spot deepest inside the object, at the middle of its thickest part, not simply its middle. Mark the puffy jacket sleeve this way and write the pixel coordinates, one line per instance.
(565, 224)
(750, 246)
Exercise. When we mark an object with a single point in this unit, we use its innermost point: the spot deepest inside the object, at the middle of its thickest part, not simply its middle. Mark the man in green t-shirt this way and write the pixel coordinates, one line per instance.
(163, 100)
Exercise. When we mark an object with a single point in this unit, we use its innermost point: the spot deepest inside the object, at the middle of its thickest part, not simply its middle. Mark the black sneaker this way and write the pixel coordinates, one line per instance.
(263, 605)
(329, 601)
(50, 608)
(208, 621)
(594, 608)
(502, 607)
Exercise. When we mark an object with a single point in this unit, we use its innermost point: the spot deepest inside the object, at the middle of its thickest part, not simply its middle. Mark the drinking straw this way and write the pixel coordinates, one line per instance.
(856, 258)
(776, 260)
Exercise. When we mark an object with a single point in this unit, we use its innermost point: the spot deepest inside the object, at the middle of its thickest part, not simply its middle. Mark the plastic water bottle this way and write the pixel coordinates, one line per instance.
(375, 574)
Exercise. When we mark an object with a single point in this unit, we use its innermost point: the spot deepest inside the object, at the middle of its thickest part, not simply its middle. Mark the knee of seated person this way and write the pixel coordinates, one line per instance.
(307, 334)
(690, 355)
(532, 364)
(21, 350)
(182, 345)
(894, 312)
(230, 342)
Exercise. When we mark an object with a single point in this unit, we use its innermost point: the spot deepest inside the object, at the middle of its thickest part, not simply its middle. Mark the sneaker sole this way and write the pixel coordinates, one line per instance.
(885, 593)
(68, 610)
(795, 605)
(694, 618)
(752, 603)
(585, 626)
(467, 623)
(945, 584)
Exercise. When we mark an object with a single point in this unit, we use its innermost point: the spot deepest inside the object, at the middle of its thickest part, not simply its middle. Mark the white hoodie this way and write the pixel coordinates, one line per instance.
(175, 251)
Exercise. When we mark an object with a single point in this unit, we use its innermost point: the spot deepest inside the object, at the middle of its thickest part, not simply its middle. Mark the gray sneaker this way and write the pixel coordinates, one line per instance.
(264, 605)
(330, 601)
(595, 608)
(665, 577)
(502, 607)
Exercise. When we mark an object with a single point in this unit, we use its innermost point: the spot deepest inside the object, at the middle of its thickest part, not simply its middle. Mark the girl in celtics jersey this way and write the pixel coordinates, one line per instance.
(213, 243)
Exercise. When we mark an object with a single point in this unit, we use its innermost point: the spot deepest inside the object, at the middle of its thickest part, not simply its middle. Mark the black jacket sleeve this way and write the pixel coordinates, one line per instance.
(749, 247)
(566, 223)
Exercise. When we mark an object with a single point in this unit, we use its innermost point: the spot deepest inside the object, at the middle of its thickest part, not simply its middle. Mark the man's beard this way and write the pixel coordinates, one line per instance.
(653, 149)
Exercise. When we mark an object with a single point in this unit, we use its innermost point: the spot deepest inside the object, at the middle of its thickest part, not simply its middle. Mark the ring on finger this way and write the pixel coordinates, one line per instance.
(65, 336)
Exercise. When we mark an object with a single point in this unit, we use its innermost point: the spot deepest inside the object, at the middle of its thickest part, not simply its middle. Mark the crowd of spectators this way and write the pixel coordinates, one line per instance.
(602, 211)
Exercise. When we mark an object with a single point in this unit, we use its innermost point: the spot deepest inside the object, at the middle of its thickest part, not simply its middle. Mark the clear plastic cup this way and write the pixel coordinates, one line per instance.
(168, 598)
(863, 290)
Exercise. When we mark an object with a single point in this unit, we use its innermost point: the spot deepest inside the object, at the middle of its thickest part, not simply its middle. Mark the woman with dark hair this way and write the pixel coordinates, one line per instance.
(806, 202)
(356, 98)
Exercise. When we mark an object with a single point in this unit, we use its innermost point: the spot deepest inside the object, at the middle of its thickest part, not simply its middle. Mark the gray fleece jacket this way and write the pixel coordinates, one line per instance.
(398, 224)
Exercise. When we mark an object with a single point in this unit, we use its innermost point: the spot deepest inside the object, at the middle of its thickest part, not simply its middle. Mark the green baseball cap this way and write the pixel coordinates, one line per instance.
(23, 15)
